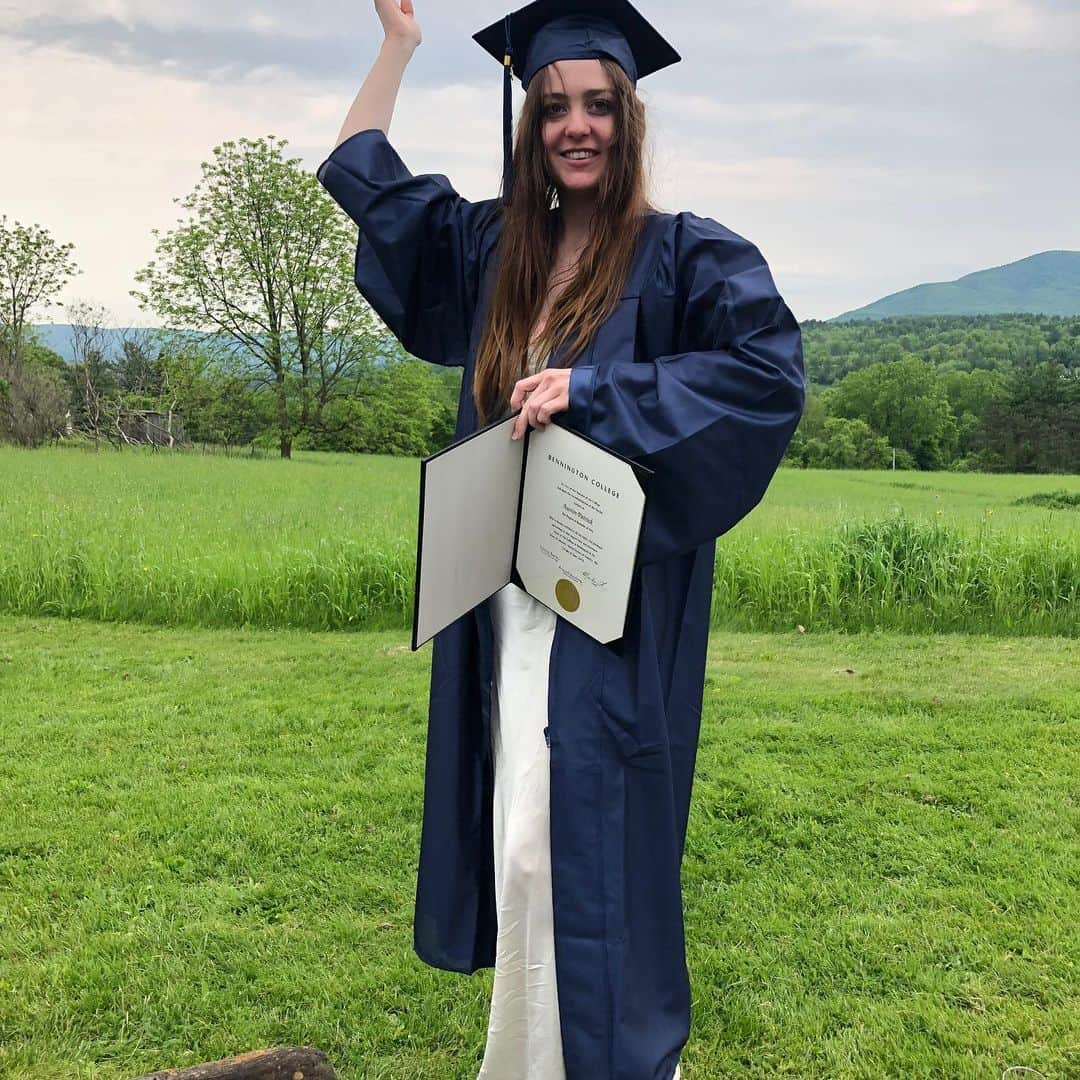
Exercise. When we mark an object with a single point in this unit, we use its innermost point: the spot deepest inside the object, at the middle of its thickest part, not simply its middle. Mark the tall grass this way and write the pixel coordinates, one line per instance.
(336, 585)
(903, 574)
(327, 542)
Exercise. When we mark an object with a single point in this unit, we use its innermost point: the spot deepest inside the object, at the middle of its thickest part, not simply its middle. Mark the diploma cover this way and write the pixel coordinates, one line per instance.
(555, 512)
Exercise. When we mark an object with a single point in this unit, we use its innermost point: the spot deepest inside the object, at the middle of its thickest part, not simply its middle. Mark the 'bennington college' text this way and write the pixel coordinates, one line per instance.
(588, 479)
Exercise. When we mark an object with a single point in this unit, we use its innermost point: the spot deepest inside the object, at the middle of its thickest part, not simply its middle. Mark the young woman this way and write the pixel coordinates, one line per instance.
(559, 770)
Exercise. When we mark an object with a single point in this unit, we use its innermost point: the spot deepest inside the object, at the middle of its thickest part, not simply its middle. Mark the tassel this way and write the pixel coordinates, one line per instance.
(508, 74)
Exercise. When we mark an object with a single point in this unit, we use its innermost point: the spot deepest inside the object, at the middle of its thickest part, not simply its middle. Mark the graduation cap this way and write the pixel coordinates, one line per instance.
(548, 30)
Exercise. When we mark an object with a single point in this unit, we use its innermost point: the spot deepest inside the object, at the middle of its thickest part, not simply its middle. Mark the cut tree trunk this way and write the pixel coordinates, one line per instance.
(282, 1063)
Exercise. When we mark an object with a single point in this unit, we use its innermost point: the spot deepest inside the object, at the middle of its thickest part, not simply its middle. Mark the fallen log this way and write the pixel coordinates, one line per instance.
(282, 1063)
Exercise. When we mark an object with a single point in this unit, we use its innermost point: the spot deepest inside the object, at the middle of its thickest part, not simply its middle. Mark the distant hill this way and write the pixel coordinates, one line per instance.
(58, 337)
(1046, 284)
(948, 342)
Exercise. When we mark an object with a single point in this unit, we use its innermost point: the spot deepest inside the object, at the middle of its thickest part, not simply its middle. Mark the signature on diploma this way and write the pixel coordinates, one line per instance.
(594, 581)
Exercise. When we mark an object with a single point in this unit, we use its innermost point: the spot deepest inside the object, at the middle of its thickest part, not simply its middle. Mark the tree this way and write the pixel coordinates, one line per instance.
(398, 409)
(34, 403)
(188, 378)
(905, 402)
(811, 426)
(138, 367)
(1034, 425)
(95, 378)
(847, 444)
(33, 269)
(34, 354)
(265, 263)
(970, 394)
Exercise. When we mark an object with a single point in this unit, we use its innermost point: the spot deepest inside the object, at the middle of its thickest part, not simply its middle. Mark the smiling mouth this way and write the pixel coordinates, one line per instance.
(579, 155)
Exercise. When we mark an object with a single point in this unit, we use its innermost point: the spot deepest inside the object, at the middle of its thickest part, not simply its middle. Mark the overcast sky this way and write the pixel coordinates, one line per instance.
(863, 146)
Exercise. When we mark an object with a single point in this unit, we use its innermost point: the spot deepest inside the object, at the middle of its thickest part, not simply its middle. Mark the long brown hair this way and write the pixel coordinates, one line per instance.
(526, 248)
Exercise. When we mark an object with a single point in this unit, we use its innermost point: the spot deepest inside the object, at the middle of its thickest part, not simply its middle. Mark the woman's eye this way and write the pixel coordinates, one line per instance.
(599, 106)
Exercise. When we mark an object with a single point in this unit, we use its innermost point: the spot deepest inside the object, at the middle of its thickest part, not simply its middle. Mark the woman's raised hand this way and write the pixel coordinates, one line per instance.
(399, 22)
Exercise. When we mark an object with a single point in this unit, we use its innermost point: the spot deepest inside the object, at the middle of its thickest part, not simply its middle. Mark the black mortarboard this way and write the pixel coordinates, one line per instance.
(549, 30)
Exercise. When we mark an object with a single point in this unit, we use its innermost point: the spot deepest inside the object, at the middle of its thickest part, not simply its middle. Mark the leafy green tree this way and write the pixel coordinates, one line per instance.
(1034, 424)
(395, 412)
(265, 264)
(188, 382)
(33, 270)
(139, 375)
(847, 444)
(906, 403)
(41, 357)
(34, 402)
(811, 427)
(235, 414)
(970, 394)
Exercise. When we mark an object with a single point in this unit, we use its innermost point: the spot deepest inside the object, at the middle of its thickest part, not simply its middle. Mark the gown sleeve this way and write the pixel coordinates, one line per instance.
(418, 254)
(714, 419)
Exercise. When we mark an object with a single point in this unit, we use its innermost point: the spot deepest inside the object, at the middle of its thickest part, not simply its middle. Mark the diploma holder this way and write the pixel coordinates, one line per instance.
(554, 512)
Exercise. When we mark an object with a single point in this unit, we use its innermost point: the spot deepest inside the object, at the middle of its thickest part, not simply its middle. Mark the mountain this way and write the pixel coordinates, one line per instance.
(57, 336)
(1045, 284)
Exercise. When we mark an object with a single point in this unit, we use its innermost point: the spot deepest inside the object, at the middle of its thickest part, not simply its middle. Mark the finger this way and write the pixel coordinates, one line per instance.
(523, 387)
(406, 7)
(520, 424)
(548, 402)
(526, 418)
(520, 391)
(539, 407)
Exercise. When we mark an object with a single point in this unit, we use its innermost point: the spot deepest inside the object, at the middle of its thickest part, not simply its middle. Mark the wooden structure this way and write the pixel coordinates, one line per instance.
(150, 426)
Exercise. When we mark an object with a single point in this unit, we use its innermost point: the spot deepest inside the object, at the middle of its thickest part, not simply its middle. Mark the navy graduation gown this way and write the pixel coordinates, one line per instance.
(698, 374)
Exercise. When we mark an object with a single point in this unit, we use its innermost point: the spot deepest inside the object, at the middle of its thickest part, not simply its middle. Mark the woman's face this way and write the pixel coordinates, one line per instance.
(578, 122)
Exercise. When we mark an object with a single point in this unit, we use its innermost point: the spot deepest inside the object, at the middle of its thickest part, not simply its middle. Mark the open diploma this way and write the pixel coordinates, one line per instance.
(555, 513)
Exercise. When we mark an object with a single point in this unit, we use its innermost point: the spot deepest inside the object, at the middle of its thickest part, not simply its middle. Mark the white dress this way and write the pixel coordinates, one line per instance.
(524, 1041)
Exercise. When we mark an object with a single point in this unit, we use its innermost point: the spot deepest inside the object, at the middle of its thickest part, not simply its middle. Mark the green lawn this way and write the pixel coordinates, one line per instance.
(328, 542)
(209, 839)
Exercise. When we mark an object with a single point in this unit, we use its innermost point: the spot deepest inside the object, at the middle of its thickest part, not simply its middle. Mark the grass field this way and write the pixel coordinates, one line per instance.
(328, 542)
(209, 842)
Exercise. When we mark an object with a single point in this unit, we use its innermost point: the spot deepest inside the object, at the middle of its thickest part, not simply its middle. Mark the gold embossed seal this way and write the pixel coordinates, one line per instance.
(567, 595)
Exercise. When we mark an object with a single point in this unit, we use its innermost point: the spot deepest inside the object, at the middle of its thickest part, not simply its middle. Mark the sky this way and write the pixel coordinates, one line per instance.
(864, 147)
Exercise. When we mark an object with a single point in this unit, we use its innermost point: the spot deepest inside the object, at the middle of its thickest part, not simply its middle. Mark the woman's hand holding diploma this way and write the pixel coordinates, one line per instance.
(539, 396)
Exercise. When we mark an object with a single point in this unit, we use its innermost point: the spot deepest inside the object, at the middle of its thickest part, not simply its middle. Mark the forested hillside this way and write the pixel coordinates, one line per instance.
(988, 393)
(949, 342)
(965, 393)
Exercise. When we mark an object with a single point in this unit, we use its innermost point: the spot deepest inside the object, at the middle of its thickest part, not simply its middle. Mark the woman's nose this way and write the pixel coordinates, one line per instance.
(577, 123)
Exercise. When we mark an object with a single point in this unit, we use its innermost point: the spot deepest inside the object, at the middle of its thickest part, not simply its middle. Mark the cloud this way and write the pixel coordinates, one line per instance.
(858, 169)
(887, 29)
(223, 43)
(216, 53)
